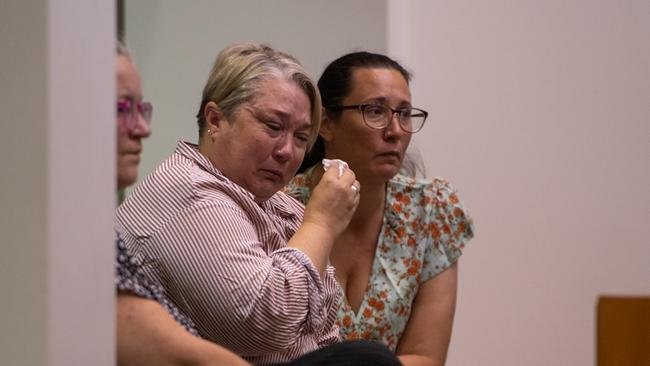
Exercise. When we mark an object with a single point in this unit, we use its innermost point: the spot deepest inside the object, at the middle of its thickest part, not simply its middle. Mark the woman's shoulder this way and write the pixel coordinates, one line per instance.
(436, 188)
(436, 199)
(433, 206)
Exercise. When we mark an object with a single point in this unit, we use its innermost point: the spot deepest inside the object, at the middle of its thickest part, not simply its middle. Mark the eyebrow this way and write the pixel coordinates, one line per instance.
(128, 96)
(384, 100)
(264, 113)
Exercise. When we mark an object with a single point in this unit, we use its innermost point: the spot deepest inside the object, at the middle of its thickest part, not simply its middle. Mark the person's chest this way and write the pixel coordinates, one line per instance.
(353, 269)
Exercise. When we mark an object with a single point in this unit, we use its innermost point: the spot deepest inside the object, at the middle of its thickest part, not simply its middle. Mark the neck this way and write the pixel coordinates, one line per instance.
(203, 148)
(206, 149)
(371, 205)
(120, 196)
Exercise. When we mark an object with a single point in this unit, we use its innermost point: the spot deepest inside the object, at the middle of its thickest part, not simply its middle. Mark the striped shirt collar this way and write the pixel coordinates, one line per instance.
(276, 202)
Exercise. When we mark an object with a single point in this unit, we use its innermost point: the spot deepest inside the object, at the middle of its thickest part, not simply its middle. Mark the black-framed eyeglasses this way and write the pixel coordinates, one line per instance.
(378, 116)
(127, 112)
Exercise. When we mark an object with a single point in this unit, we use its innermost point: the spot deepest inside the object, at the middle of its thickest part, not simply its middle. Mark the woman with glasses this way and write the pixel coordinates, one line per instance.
(133, 120)
(397, 260)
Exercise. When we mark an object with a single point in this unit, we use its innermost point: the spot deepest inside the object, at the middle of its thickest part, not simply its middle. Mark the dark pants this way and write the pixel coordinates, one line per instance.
(349, 353)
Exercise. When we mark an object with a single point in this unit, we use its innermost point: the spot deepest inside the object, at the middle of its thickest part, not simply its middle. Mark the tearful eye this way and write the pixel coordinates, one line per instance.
(302, 137)
(273, 126)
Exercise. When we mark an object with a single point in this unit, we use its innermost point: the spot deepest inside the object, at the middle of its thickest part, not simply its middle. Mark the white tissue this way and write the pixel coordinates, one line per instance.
(342, 165)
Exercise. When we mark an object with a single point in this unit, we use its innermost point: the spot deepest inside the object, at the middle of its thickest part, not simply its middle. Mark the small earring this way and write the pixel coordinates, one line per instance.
(208, 132)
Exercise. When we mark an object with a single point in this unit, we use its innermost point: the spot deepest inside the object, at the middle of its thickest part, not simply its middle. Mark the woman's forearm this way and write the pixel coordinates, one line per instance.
(418, 360)
(148, 335)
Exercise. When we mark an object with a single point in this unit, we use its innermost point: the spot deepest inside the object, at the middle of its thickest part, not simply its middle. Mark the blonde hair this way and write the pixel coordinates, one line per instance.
(240, 69)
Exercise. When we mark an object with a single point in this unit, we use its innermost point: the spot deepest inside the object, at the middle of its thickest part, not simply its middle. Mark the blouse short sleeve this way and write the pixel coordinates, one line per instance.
(448, 227)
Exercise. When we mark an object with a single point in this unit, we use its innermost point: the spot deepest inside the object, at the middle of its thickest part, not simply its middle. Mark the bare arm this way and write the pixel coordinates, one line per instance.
(426, 338)
(148, 335)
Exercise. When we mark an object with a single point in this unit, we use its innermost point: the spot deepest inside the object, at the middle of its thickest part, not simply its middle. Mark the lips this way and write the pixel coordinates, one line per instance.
(130, 149)
(272, 173)
(135, 153)
(390, 154)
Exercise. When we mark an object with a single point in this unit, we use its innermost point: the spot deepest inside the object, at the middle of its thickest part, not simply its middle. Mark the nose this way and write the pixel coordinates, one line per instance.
(284, 148)
(393, 130)
(142, 127)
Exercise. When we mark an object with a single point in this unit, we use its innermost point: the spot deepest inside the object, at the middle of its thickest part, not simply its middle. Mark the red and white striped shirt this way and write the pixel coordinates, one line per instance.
(223, 261)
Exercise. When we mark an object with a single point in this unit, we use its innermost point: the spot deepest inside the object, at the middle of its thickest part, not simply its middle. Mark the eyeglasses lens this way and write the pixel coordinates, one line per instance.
(379, 116)
(127, 112)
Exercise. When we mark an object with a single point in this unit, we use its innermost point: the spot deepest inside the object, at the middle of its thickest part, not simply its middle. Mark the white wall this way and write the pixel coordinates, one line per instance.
(57, 186)
(540, 115)
(175, 44)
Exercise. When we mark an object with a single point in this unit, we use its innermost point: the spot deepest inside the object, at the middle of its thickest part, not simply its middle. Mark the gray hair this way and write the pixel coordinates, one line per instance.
(240, 69)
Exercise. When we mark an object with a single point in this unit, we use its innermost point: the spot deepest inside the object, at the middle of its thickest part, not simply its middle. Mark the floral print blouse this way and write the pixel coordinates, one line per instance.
(424, 231)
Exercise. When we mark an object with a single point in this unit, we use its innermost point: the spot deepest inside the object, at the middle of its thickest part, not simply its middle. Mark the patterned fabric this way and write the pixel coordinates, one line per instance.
(129, 276)
(424, 230)
(222, 259)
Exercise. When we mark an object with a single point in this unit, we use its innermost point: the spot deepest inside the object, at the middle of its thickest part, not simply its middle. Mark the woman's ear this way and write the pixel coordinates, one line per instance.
(327, 127)
(214, 116)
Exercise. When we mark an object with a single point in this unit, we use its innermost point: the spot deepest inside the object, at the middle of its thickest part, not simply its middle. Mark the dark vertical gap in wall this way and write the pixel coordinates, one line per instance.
(120, 19)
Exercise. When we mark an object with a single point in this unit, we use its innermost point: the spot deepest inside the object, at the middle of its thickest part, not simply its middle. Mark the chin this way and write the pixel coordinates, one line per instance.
(387, 172)
(125, 180)
(264, 193)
